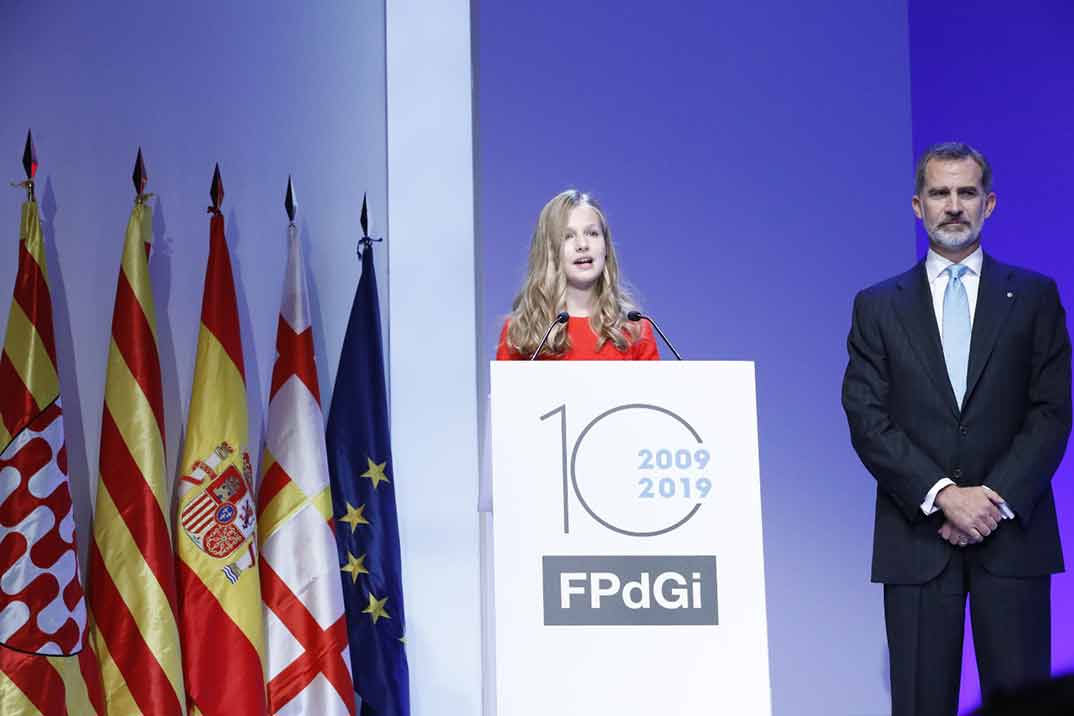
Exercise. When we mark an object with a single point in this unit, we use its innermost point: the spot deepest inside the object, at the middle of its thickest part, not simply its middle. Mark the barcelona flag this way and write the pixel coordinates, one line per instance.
(306, 653)
(363, 501)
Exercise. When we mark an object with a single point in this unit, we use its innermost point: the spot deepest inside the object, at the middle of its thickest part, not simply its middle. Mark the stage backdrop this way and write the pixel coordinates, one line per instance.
(1002, 82)
(754, 160)
(756, 166)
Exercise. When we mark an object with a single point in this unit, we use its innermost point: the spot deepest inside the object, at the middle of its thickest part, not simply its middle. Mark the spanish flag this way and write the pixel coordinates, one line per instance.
(132, 590)
(46, 663)
(219, 588)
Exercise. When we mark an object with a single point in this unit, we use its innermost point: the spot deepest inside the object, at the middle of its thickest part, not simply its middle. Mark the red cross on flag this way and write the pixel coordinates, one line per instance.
(307, 658)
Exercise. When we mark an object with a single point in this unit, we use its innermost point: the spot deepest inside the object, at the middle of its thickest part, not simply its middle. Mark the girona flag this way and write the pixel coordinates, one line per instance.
(307, 660)
(46, 663)
(132, 564)
(219, 590)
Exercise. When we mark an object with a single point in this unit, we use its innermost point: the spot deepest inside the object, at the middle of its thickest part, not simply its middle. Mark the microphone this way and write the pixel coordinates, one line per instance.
(561, 317)
(637, 316)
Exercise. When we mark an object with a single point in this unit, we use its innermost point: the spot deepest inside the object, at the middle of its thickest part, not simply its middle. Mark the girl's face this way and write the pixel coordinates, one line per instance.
(584, 249)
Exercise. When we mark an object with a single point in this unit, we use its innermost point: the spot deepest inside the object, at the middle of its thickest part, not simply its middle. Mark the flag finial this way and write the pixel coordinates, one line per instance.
(140, 177)
(289, 200)
(29, 165)
(29, 156)
(365, 218)
(216, 191)
(366, 239)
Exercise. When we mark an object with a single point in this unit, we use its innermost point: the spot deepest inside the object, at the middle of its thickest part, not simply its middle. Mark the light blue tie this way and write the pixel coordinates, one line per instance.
(956, 329)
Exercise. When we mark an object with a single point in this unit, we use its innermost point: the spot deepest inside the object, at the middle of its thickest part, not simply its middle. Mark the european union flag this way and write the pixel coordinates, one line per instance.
(363, 501)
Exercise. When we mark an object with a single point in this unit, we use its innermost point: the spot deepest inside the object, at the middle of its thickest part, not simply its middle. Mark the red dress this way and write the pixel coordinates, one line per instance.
(584, 345)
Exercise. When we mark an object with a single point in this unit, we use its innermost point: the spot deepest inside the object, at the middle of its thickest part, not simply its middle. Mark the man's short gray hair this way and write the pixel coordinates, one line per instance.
(949, 151)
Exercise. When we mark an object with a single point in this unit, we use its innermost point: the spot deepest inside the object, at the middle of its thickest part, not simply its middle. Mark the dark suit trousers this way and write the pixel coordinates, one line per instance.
(1011, 621)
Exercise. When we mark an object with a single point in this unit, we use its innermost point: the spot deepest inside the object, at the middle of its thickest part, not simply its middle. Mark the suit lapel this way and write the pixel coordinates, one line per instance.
(913, 306)
(995, 296)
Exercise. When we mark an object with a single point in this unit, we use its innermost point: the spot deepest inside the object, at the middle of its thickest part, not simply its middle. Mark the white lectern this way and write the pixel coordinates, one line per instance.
(629, 574)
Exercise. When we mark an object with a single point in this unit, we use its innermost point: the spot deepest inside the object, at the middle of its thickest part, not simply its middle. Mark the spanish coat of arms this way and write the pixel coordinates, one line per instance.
(219, 514)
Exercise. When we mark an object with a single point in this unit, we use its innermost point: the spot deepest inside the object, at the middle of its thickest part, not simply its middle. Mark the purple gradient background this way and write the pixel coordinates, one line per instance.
(756, 166)
(1002, 82)
(754, 162)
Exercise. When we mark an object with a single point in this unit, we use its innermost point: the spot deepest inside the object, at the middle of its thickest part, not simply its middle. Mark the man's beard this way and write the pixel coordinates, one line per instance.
(954, 240)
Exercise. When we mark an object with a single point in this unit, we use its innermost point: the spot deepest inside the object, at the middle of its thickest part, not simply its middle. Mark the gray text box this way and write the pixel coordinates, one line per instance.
(629, 590)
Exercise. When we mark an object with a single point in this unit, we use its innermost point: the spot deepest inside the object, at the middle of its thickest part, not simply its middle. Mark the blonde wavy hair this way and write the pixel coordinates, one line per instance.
(544, 292)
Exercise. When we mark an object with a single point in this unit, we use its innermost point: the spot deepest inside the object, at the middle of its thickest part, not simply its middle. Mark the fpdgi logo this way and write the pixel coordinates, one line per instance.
(626, 590)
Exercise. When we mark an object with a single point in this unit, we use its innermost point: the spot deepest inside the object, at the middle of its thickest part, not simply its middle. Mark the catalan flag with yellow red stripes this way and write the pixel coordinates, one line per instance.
(47, 665)
(132, 590)
(220, 616)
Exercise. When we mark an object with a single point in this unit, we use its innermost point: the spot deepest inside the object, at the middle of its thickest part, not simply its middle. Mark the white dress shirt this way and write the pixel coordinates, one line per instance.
(935, 272)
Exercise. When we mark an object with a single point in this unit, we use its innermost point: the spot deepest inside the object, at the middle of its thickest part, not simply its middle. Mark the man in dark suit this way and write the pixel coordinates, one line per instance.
(957, 393)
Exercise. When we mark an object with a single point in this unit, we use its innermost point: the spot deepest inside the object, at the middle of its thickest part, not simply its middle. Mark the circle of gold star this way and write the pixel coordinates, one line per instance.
(355, 566)
(376, 472)
(376, 609)
(355, 516)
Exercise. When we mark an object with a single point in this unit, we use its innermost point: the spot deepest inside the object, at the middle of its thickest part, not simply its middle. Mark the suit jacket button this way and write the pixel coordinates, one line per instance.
(962, 430)
(956, 473)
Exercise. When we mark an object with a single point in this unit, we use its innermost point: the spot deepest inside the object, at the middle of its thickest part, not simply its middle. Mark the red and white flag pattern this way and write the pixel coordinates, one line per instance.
(41, 615)
(307, 659)
(47, 665)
